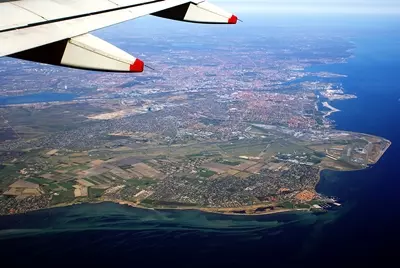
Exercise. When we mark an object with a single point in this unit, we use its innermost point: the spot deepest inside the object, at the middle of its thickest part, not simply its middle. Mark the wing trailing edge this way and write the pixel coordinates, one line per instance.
(84, 52)
(202, 12)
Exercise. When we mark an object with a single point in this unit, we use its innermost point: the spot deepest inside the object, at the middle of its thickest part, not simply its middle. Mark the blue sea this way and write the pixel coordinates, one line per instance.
(366, 228)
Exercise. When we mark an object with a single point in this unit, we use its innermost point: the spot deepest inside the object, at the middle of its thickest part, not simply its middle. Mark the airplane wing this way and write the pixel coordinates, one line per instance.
(57, 31)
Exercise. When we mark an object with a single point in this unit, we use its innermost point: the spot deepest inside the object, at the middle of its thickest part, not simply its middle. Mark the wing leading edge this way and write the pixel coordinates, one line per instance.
(60, 37)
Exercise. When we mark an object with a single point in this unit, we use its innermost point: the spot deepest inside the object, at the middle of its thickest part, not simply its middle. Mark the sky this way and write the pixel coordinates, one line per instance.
(312, 6)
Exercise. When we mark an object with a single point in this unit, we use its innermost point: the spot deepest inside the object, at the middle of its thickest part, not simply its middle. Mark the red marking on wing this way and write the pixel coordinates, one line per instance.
(233, 19)
(137, 66)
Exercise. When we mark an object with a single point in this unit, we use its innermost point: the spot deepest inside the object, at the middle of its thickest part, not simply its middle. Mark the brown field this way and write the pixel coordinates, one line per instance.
(322, 147)
(274, 166)
(80, 160)
(334, 153)
(84, 183)
(122, 134)
(217, 167)
(52, 152)
(328, 163)
(96, 162)
(108, 116)
(134, 173)
(243, 175)
(122, 149)
(233, 172)
(147, 171)
(92, 171)
(245, 165)
(47, 176)
(375, 153)
(372, 139)
(80, 191)
(78, 154)
(62, 171)
(121, 173)
(256, 168)
(128, 161)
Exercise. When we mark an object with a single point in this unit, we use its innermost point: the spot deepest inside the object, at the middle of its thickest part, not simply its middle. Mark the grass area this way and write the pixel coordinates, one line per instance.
(53, 118)
(67, 185)
(39, 181)
(63, 197)
(95, 193)
(287, 205)
(205, 173)
(315, 202)
(78, 167)
(341, 142)
(301, 205)
(7, 175)
(109, 176)
(244, 147)
(229, 162)
(148, 203)
(203, 154)
(103, 179)
(141, 182)
(51, 186)
(195, 155)
(90, 180)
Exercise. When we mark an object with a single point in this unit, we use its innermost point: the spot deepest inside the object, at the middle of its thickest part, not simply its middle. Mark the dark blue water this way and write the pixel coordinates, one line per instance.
(365, 229)
(40, 97)
(371, 226)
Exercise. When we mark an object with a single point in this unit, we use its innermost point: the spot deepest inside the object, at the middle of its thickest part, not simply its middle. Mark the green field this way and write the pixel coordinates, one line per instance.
(95, 193)
(39, 181)
(63, 197)
(228, 162)
(67, 185)
(145, 182)
(205, 173)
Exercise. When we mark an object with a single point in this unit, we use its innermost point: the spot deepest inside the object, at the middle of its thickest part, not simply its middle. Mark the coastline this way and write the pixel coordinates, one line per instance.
(211, 210)
(205, 209)
(332, 109)
(221, 211)
(251, 210)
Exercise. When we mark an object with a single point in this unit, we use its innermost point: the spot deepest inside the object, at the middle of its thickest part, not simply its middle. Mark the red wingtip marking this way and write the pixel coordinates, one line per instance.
(233, 19)
(137, 66)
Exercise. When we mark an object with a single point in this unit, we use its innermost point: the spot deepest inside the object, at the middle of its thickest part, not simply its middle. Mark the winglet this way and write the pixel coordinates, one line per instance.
(233, 20)
(202, 12)
(137, 66)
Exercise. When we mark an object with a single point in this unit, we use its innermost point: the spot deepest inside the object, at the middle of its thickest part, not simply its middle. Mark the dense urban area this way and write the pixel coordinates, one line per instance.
(217, 126)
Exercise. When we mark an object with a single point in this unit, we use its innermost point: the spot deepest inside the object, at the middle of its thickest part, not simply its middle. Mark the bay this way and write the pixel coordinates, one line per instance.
(39, 97)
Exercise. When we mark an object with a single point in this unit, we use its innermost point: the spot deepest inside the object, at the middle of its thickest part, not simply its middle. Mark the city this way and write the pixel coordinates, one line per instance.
(244, 131)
